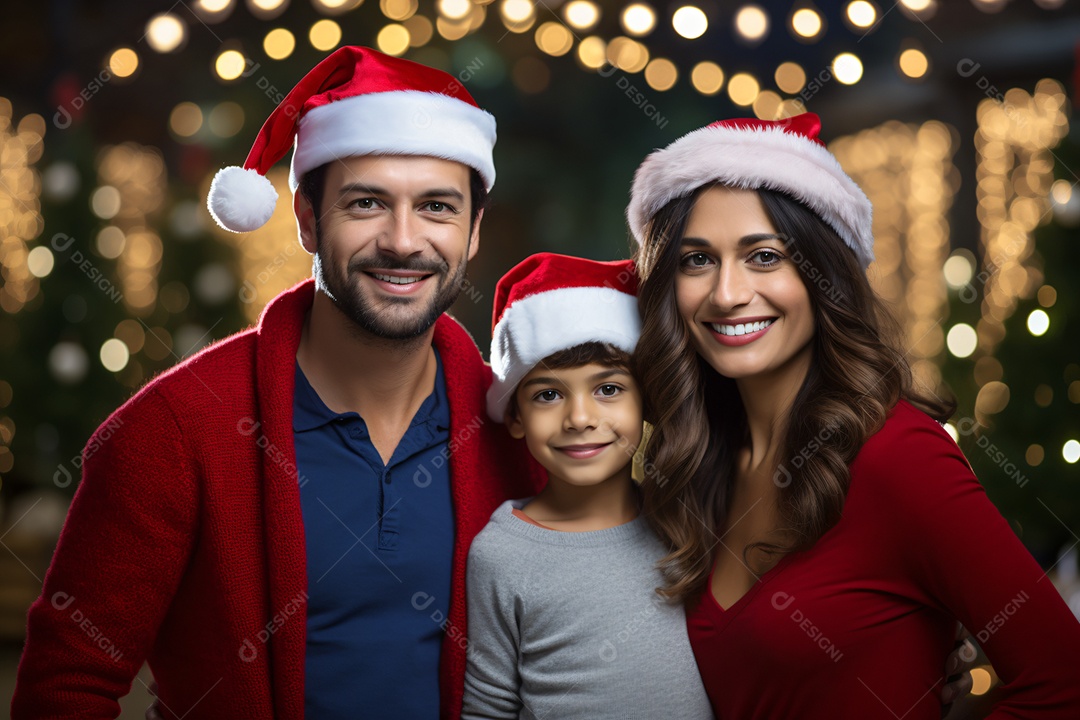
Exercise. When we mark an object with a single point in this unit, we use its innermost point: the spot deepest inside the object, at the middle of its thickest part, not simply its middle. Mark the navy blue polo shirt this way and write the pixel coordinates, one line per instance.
(379, 543)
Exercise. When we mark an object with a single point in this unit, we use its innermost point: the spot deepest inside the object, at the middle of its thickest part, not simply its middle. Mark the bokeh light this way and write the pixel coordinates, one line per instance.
(806, 23)
(230, 65)
(707, 78)
(743, 89)
(861, 14)
(279, 44)
(165, 33)
(847, 68)
(961, 340)
(393, 39)
(581, 14)
(913, 63)
(123, 62)
(752, 22)
(325, 35)
(638, 19)
(690, 22)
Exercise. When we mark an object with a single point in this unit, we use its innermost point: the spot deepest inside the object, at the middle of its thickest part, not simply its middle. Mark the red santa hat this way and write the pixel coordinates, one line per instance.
(782, 155)
(551, 302)
(355, 102)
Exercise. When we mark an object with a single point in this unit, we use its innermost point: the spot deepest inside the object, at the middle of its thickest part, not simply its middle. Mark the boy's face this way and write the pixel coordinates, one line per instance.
(582, 424)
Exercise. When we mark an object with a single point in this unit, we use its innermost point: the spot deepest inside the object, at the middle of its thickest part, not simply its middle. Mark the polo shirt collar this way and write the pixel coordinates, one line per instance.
(310, 412)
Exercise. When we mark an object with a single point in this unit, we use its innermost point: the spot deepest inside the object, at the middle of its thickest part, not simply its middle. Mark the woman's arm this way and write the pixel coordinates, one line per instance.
(964, 556)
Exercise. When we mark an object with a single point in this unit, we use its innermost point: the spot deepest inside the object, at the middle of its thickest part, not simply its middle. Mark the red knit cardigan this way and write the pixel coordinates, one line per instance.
(184, 545)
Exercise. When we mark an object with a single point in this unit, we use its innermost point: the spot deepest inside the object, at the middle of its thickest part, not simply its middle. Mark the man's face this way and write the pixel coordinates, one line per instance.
(393, 240)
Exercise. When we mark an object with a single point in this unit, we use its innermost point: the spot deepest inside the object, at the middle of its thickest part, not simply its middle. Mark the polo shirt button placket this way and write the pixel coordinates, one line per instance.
(388, 523)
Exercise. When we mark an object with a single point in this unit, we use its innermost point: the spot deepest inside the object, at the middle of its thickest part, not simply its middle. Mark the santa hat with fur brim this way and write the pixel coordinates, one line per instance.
(357, 101)
(781, 155)
(550, 302)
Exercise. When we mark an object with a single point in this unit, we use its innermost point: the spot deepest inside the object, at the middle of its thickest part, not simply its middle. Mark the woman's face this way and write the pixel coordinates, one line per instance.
(737, 289)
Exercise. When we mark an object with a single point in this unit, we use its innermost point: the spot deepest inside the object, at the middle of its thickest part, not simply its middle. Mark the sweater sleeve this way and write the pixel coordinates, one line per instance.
(963, 558)
(126, 540)
(492, 681)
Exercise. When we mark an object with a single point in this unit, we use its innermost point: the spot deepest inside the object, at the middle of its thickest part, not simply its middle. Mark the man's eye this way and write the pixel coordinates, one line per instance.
(439, 207)
(363, 203)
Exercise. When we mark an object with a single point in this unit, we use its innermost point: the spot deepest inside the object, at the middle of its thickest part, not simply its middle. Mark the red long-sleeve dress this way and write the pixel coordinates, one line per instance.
(858, 626)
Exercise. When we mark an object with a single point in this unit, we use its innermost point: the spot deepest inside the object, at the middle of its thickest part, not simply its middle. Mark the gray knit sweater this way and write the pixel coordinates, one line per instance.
(567, 625)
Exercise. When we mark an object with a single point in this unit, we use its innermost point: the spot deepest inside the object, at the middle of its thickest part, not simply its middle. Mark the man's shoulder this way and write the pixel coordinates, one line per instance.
(220, 375)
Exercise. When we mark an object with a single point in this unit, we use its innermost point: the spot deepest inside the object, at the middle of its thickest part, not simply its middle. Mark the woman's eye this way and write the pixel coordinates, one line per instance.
(695, 260)
(766, 257)
(609, 390)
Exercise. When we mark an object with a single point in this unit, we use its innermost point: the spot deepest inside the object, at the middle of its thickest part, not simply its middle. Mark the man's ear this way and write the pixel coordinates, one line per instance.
(474, 241)
(305, 222)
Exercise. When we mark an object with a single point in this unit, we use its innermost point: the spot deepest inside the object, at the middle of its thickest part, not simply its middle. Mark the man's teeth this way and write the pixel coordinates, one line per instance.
(396, 279)
(743, 328)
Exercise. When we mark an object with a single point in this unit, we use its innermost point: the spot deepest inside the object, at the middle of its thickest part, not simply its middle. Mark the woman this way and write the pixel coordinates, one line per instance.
(824, 529)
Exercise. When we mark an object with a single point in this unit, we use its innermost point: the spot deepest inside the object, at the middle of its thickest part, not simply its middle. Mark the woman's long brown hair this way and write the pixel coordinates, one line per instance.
(856, 376)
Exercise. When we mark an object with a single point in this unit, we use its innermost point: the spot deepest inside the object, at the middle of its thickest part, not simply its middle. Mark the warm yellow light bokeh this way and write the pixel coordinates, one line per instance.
(707, 78)
(279, 44)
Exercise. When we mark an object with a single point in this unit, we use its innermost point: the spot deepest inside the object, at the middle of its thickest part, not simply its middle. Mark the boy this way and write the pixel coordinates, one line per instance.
(563, 618)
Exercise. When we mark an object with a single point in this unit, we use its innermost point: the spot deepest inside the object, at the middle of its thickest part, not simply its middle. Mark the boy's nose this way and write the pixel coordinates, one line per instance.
(581, 414)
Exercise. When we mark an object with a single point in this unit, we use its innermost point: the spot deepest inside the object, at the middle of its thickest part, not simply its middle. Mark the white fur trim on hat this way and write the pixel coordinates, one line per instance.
(399, 122)
(751, 159)
(241, 200)
(539, 325)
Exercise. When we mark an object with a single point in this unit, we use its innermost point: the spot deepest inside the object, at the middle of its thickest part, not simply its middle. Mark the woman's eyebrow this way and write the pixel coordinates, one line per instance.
(743, 241)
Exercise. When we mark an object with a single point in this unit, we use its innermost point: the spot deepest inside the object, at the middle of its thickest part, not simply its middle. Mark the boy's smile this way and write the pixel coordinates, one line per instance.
(582, 424)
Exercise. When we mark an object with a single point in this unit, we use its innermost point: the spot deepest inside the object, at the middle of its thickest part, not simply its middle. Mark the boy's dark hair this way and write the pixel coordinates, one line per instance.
(600, 353)
(313, 187)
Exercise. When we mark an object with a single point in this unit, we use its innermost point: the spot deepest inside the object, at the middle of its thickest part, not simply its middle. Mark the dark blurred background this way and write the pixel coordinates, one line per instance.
(955, 117)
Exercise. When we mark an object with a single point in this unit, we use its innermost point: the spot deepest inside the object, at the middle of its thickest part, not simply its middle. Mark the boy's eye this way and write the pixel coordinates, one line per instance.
(547, 396)
(609, 390)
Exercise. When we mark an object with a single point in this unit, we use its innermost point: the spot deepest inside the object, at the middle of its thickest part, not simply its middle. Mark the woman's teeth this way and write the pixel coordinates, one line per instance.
(741, 329)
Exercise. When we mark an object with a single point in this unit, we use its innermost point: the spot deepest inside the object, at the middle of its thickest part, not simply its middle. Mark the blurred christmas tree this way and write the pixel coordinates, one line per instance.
(122, 281)
(1018, 418)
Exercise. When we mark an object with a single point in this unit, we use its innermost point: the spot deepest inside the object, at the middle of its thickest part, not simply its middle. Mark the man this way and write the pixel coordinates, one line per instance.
(279, 524)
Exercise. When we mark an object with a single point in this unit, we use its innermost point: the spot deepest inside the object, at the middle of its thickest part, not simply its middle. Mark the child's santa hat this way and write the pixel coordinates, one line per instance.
(781, 155)
(355, 102)
(551, 302)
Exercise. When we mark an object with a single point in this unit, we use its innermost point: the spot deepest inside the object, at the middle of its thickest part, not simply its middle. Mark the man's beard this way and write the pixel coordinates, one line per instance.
(349, 298)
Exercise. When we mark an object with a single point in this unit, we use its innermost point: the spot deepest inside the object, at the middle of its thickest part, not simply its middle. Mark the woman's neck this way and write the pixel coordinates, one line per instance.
(768, 399)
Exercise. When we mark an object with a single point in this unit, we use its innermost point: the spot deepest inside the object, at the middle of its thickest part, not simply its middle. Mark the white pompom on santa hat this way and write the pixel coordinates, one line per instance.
(550, 302)
(782, 155)
(357, 101)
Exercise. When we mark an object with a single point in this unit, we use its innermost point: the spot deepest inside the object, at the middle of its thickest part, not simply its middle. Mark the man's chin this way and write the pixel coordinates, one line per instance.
(391, 318)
